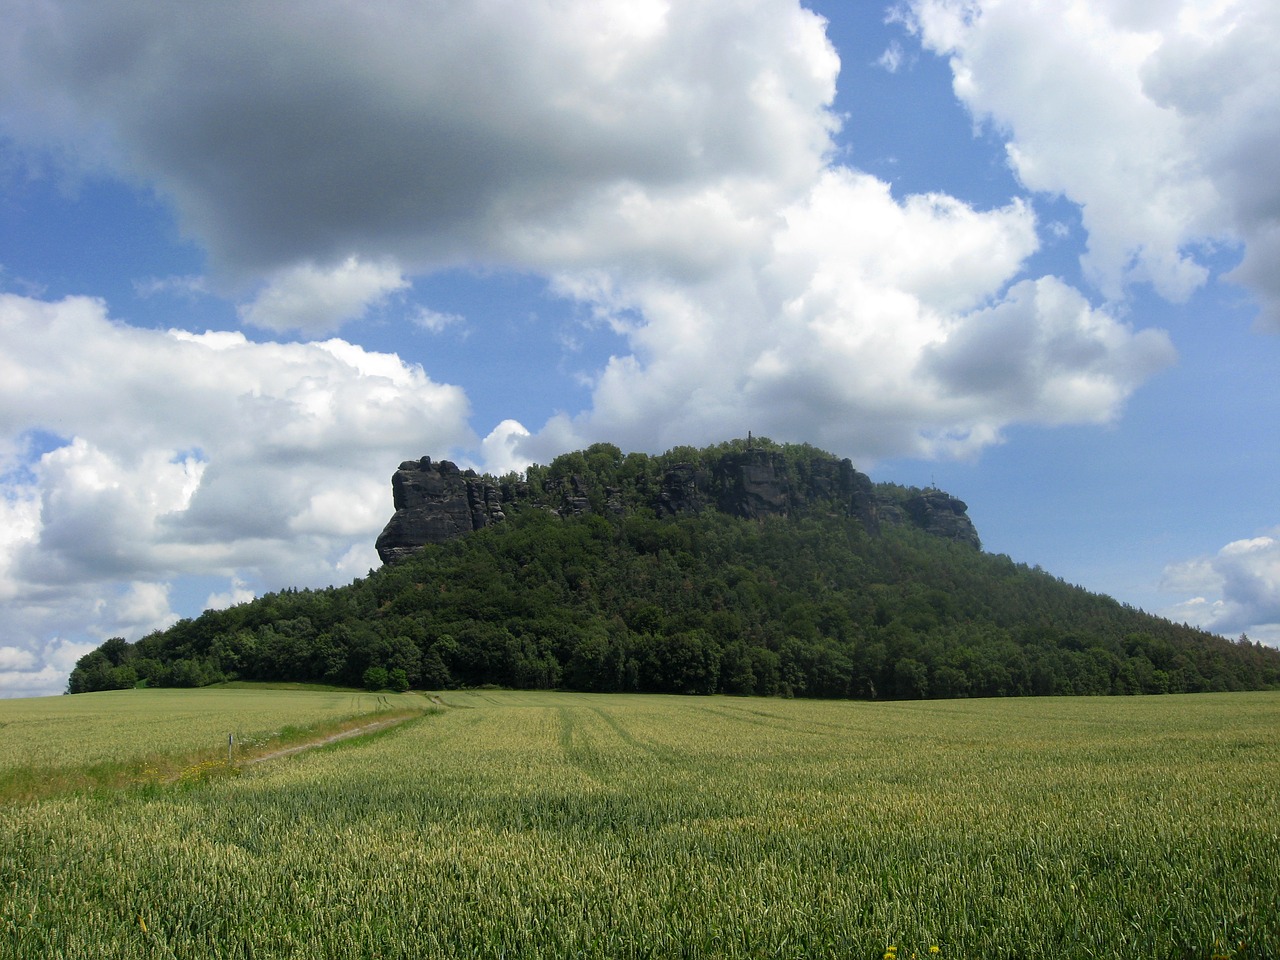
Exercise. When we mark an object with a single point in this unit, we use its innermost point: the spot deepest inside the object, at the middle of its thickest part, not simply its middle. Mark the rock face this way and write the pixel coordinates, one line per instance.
(435, 502)
(933, 511)
(942, 515)
(681, 491)
(756, 483)
(573, 495)
(752, 485)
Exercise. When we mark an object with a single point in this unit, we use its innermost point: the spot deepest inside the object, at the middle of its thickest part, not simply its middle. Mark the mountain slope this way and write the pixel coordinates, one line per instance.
(823, 596)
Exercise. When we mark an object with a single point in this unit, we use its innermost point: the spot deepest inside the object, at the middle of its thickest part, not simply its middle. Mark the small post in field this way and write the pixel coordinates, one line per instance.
(231, 739)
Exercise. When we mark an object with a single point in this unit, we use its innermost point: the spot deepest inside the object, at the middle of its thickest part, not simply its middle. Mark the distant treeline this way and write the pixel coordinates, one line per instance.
(709, 603)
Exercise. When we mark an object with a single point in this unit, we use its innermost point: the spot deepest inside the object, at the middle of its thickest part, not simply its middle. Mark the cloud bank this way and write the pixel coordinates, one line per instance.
(863, 323)
(425, 132)
(165, 454)
(672, 167)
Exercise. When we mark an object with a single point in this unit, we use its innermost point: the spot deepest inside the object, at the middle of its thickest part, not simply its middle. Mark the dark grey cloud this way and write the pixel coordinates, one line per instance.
(419, 130)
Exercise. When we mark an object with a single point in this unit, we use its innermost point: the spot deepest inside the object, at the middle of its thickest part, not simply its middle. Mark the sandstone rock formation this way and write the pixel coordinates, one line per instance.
(942, 515)
(933, 511)
(435, 502)
(759, 483)
(572, 495)
(680, 491)
(754, 484)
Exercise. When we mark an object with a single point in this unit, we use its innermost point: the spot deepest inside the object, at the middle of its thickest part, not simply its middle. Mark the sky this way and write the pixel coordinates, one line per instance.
(253, 256)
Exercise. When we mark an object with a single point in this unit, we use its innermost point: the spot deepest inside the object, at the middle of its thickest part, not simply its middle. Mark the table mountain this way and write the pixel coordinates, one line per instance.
(435, 501)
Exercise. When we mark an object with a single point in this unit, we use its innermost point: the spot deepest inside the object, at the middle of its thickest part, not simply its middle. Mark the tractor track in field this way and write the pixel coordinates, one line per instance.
(330, 738)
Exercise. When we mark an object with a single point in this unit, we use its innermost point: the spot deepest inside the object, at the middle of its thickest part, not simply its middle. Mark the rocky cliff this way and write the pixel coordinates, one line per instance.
(435, 501)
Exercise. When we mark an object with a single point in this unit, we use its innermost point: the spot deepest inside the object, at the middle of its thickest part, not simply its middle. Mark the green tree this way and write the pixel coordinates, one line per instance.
(910, 679)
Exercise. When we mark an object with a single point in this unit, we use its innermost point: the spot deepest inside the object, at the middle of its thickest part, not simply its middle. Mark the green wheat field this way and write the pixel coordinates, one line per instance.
(504, 824)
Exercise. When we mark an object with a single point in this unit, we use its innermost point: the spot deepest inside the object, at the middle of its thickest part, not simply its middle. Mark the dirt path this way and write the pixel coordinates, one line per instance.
(331, 738)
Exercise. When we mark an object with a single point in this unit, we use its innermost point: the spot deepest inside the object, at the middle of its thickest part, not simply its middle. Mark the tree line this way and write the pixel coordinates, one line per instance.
(809, 607)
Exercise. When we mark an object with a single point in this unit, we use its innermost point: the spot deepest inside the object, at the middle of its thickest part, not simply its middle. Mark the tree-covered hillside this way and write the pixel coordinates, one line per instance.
(810, 604)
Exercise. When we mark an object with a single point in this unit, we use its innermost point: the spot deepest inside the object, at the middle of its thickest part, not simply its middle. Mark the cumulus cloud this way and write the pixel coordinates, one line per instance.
(500, 451)
(436, 322)
(13, 658)
(423, 133)
(43, 671)
(314, 301)
(667, 165)
(1236, 590)
(189, 454)
(142, 608)
(238, 593)
(862, 322)
(1158, 119)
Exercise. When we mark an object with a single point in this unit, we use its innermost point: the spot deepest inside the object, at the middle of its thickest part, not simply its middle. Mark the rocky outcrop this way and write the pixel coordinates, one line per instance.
(837, 483)
(681, 491)
(571, 496)
(761, 483)
(934, 511)
(942, 515)
(435, 502)
(754, 484)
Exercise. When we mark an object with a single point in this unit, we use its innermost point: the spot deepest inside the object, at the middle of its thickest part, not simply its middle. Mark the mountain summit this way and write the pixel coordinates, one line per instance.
(436, 501)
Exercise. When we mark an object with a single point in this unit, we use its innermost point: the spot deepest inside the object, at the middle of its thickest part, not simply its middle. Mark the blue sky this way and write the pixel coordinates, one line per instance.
(253, 257)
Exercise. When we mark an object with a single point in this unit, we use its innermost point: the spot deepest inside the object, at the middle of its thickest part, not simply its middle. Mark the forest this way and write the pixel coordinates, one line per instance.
(807, 605)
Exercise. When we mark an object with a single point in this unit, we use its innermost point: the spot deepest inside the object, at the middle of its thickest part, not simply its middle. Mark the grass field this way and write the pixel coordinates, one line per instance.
(559, 825)
(57, 744)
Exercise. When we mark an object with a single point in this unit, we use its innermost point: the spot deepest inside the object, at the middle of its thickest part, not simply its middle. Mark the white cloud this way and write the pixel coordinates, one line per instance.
(669, 166)
(238, 593)
(861, 323)
(360, 558)
(1159, 120)
(891, 59)
(435, 321)
(136, 609)
(189, 454)
(311, 300)
(44, 670)
(100, 515)
(19, 525)
(1236, 590)
(12, 658)
(500, 451)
